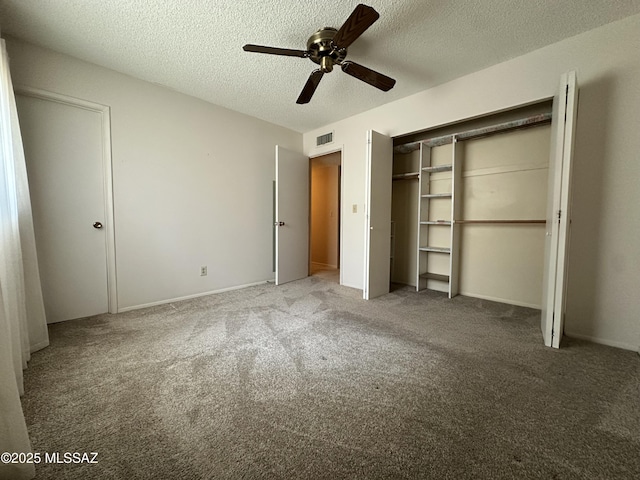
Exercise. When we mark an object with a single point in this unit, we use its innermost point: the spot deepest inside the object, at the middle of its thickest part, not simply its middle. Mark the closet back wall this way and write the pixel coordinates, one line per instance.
(504, 177)
(404, 215)
(189, 188)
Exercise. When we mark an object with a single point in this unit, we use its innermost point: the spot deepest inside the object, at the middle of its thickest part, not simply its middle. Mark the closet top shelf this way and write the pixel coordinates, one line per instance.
(438, 168)
(538, 119)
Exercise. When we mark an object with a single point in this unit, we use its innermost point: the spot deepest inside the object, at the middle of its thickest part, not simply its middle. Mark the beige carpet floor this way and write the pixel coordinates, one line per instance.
(308, 381)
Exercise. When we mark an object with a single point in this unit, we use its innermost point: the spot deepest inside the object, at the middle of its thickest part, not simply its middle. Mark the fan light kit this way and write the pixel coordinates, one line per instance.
(328, 47)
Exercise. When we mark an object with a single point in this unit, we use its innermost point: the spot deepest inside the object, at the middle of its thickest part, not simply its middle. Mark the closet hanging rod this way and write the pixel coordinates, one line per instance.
(539, 119)
(498, 221)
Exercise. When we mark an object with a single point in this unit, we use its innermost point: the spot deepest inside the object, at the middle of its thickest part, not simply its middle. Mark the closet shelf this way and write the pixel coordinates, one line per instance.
(446, 223)
(406, 176)
(435, 276)
(435, 249)
(438, 168)
(436, 195)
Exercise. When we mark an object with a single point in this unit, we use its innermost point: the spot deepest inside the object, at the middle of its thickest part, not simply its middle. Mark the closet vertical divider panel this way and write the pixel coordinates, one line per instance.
(423, 217)
(456, 209)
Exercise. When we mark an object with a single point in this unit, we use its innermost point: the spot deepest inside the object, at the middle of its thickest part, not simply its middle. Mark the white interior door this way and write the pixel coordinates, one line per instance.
(378, 215)
(292, 216)
(64, 155)
(565, 108)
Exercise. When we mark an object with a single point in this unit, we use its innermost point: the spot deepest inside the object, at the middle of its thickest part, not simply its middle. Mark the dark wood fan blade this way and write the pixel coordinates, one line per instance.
(359, 20)
(369, 76)
(275, 51)
(310, 87)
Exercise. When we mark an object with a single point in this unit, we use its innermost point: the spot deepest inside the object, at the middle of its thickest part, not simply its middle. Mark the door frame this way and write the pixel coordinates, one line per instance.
(337, 149)
(107, 165)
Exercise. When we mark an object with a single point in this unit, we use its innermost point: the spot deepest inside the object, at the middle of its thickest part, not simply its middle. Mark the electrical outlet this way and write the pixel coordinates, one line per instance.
(203, 271)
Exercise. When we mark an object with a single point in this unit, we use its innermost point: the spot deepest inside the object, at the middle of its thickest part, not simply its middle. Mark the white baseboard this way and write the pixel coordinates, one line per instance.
(502, 300)
(187, 297)
(603, 341)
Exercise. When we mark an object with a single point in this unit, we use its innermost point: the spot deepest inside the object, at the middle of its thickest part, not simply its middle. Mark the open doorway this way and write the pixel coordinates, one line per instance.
(324, 218)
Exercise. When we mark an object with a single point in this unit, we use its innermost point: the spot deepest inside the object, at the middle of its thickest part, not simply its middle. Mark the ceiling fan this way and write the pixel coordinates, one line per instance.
(328, 47)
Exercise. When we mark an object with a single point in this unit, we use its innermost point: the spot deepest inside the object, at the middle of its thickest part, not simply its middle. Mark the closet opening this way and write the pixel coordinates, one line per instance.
(324, 216)
(469, 205)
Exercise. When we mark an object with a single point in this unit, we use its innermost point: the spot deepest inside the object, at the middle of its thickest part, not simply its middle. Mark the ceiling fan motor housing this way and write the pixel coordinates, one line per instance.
(322, 50)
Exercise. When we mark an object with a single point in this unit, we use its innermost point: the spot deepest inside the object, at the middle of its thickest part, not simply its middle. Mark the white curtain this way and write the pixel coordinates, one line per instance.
(23, 327)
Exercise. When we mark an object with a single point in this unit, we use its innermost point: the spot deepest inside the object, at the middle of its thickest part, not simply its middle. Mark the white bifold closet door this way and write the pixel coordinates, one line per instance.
(558, 225)
(378, 215)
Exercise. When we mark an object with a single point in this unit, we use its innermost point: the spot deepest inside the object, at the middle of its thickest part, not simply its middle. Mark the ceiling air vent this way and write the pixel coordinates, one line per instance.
(324, 139)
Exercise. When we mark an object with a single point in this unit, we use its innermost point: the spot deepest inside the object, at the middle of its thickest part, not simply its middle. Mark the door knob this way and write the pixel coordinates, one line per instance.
(97, 225)
(279, 224)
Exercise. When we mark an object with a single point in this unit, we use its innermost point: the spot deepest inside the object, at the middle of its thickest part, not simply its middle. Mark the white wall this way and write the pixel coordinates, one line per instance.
(605, 254)
(192, 181)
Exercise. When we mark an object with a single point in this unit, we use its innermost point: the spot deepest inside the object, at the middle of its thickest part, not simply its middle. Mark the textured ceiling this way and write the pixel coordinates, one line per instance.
(195, 46)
